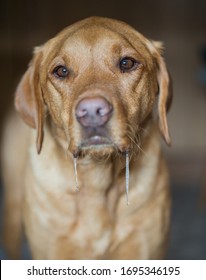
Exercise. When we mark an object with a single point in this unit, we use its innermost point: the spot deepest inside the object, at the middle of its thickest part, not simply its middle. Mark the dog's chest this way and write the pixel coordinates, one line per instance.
(75, 230)
(89, 234)
(79, 223)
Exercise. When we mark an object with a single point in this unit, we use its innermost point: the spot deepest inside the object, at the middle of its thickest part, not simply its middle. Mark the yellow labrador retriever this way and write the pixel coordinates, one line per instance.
(96, 184)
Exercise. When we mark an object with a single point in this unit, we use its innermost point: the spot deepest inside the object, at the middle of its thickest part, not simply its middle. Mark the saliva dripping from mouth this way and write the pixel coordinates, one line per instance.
(126, 175)
(75, 174)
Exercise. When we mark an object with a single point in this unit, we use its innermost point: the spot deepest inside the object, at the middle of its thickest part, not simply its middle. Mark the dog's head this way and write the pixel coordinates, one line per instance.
(98, 81)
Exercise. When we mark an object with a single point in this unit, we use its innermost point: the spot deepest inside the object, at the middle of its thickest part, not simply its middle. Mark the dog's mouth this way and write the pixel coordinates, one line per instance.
(97, 146)
(96, 141)
(100, 142)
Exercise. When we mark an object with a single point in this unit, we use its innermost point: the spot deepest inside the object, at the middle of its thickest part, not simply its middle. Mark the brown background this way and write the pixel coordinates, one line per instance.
(181, 25)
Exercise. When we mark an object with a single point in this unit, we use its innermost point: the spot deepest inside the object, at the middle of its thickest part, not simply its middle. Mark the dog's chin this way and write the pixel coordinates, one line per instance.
(96, 147)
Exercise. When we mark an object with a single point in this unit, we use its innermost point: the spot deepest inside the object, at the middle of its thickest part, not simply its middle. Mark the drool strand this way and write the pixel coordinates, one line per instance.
(75, 173)
(127, 177)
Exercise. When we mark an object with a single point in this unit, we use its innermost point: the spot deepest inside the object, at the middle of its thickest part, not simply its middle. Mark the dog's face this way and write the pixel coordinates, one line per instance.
(98, 81)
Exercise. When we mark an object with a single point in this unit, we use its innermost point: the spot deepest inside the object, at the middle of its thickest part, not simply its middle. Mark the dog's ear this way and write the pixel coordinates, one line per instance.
(28, 98)
(165, 91)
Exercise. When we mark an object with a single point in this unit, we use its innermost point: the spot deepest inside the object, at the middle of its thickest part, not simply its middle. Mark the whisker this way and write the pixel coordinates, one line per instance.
(144, 130)
(137, 145)
(142, 150)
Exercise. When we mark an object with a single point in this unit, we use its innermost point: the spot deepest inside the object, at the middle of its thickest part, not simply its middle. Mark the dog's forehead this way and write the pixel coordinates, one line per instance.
(97, 25)
(95, 30)
(95, 38)
(98, 42)
(90, 35)
(101, 36)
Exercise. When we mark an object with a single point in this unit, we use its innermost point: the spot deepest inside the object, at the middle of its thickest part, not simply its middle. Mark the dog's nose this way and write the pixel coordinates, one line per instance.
(93, 112)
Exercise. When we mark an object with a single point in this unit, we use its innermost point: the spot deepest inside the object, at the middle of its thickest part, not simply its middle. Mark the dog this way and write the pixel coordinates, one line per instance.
(95, 185)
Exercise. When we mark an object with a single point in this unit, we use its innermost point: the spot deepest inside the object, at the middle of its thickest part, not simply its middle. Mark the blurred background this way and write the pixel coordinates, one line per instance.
(181, 25)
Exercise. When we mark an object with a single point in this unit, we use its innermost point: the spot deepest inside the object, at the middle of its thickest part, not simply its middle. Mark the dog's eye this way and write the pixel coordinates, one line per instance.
(61, 72)
(128, 64)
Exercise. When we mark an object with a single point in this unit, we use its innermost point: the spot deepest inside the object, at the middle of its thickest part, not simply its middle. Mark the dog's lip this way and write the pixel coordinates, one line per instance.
(96, 140)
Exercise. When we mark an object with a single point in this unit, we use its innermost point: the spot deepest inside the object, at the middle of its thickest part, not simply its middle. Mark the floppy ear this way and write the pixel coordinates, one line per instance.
(165, 92)
(29, 101)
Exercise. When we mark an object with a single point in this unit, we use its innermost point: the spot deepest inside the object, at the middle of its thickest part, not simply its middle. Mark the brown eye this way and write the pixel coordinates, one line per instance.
(128, 64)
(61, 72)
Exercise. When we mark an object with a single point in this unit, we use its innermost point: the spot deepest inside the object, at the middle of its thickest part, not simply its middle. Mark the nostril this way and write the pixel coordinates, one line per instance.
(81, 112)
(101, 112)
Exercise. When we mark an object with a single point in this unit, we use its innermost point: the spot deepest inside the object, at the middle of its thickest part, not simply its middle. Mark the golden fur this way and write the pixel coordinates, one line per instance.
(94, 222)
